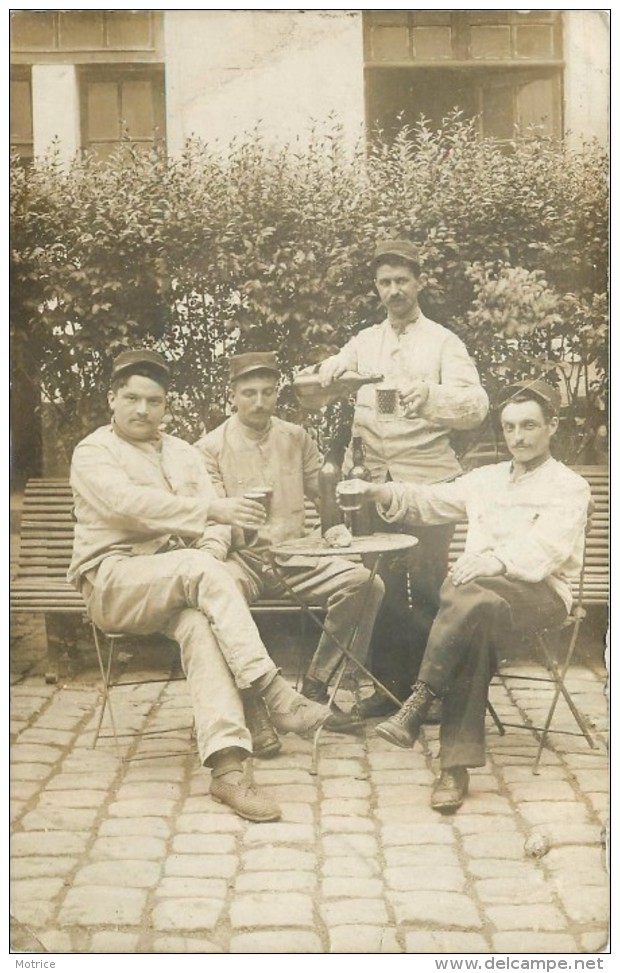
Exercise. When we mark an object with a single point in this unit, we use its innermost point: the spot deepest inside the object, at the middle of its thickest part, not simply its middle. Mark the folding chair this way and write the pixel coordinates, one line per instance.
(557, 668)
(106, 668)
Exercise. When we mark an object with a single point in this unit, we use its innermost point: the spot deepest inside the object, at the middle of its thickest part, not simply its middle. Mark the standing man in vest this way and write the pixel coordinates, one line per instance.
(439, 391)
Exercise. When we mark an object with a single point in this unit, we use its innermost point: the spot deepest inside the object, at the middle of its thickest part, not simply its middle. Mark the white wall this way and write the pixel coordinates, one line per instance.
(586, 77)
(228, 69)
(55, 110)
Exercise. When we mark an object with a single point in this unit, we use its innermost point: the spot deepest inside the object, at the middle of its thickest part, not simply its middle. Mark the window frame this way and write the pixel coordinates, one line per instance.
(117, 74)
(24, 147)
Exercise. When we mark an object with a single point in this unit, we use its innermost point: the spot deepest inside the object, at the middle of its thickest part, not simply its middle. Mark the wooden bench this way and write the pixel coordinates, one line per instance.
(46, 540)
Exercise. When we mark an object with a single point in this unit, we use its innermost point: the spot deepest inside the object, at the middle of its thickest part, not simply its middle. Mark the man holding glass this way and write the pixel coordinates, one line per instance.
(431, 387)
(255, 451)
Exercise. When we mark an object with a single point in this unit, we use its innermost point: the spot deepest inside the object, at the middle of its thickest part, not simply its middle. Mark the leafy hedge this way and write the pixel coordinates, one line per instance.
(247, 246)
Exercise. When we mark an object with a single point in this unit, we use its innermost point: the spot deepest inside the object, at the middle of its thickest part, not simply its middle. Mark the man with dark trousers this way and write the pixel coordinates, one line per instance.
(525, 540)
(440, 392)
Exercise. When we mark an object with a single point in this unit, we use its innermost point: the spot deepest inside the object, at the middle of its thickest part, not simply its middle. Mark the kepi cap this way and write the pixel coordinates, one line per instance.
(253, 361)
(404, 249)
(538, 389)
(139, 356)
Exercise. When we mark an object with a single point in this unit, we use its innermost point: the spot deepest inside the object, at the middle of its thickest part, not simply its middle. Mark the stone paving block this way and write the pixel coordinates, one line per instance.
(344, 886)
(34, 753)
(346, 825)
(431, 878)
(76, 782)
(122, 874)
(35, 913)
(201, 866)
(350, 867)
(400, 776)
(363, 939)
(486, 803)
(435, 856)
(505, 890)
(389, 795)
(183, 944)
(154, 772)
(591, 781)
(60, 819)
(269, 909)
(542, 812)
(444, 941)
(275, 882)
(441, 909)
(533, 942)
(40, 867)
(97, 905)
(110, 941)
(344, 912)
(72, 799)
(128, 848)
(279, 833)
(59, 738)
(536, 917)
(542, 790)
(595, 941)
(300, 793)
(388, 758)
(276, 941)
(278, 859)
(333, 787)
(585, 904)
(417, 812)
(16, 809)
(138, 809)
(349, 844)
(149, 790)
(144, 827)
(266, 774)
(191, 887)
(209, 823)
(334, 767)
(25, 889)
(499, 868)
(297, 813)
(574, 834)
(494, 846)
(479, 824)
(48, 844)
(55, 941)
(28, 771)
(91, 762)
(524, 774)
(188, 914)
(418, 834)
(203, 844)
(343, 807)
(583, 865)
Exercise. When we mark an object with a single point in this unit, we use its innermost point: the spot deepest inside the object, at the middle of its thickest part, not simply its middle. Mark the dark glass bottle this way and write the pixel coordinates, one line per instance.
(330, 474)
(361, 520)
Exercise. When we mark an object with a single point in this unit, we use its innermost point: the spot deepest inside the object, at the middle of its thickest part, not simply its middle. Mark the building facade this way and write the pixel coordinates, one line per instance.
(85, 80)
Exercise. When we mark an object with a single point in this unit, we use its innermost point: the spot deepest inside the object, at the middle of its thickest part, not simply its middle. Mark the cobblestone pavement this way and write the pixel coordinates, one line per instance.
(134, 856)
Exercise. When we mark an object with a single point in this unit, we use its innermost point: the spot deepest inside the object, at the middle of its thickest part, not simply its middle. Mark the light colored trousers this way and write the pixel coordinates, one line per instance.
(336, 584)
(191, 597)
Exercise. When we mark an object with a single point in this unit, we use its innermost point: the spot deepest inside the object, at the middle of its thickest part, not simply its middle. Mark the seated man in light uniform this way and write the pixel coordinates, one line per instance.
(525, 540)
(255, 448)
(440, 392)
(149, 551)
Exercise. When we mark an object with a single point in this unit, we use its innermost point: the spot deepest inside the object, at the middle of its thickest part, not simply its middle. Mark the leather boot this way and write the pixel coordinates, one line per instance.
(403, 728)
(338, 721)
(265, 740)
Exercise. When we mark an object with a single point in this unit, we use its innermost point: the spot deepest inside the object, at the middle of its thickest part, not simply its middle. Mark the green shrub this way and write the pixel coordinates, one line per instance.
(247, 246)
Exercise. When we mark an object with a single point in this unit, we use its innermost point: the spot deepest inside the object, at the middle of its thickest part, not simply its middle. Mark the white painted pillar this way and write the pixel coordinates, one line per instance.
(55, 110)
(586, 76)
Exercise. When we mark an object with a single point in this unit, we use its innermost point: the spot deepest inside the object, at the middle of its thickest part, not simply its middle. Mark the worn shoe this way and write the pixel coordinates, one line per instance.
(291, 712)
(450, 789)
(265, 742)
(245, 800)
(375, 705)
(338, 721)
(403, 728)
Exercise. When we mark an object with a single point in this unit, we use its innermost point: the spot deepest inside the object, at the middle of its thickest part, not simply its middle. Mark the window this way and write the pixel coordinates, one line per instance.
(82, 30)
(122, 104)
(20, 113)
(502, 66)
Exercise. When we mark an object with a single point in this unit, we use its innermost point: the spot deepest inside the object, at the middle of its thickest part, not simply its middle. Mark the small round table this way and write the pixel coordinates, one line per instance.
(373, 547)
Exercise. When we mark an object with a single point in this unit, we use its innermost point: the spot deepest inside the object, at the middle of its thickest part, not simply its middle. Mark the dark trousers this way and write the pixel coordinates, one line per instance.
(410, 604)
(474, 622)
